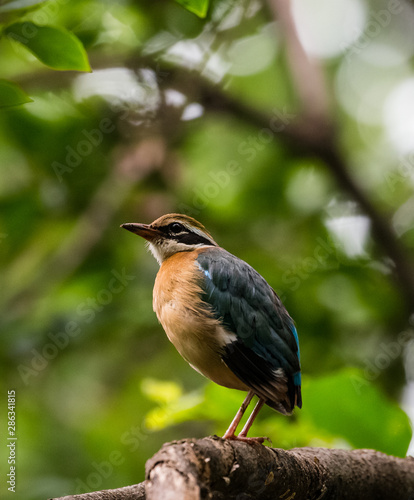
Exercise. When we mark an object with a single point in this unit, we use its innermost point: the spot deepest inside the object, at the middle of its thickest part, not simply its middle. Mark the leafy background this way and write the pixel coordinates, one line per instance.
(190, 108)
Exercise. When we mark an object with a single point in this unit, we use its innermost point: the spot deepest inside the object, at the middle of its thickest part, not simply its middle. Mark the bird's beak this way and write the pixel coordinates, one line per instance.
(144, 230)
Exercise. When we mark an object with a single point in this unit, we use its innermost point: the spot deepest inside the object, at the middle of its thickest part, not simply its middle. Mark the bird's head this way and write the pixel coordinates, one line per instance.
(172, 233)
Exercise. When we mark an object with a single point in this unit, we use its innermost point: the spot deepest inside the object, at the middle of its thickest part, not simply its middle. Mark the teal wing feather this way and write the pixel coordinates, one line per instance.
(265, 354)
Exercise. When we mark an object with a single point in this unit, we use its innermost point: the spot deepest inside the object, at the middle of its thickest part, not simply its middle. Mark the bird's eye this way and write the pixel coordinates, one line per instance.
(176, 227)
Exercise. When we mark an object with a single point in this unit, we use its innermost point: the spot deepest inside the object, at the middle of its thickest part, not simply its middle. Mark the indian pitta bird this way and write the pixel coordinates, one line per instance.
(223, 317)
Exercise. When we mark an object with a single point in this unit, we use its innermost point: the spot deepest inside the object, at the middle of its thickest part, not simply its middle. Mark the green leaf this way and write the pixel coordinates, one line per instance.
(197, 7)
(346, 404)
(20, 5)
(12, 95)
(55, 47)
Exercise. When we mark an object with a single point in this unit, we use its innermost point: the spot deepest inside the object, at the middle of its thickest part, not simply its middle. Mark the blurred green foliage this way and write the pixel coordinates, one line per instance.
(99, 388)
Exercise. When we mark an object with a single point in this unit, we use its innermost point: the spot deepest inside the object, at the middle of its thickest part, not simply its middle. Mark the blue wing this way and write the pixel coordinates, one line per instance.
(265, 354)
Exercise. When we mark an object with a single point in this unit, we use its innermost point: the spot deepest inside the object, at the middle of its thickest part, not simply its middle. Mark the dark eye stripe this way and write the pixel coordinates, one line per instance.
(191, 239)
(167, 230)
(185, 236)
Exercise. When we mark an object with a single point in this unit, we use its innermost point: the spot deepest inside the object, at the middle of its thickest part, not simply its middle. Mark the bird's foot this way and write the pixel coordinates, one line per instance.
(246, 439)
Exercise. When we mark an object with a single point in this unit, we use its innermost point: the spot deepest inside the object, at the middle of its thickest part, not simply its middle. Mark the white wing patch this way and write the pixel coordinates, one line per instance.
(225, 337)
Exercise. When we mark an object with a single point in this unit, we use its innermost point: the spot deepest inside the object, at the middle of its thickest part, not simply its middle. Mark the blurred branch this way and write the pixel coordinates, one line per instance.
(216, 468)
(307, 74)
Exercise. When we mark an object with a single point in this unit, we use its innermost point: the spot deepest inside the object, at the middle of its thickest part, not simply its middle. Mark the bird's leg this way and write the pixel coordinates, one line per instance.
(243, 434)
(229, 434)
(246, 428)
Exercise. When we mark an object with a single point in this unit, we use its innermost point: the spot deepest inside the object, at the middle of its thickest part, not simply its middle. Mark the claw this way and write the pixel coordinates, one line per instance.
(250, 440)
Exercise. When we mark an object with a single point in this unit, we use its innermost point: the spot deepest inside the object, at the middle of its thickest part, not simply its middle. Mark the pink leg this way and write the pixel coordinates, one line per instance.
(251, 419)
(229, 434)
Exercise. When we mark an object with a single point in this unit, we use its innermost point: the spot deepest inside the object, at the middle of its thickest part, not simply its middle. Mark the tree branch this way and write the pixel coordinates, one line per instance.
(214, 468)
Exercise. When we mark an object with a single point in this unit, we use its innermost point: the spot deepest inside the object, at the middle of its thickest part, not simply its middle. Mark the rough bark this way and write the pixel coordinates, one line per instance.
(212, 468)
